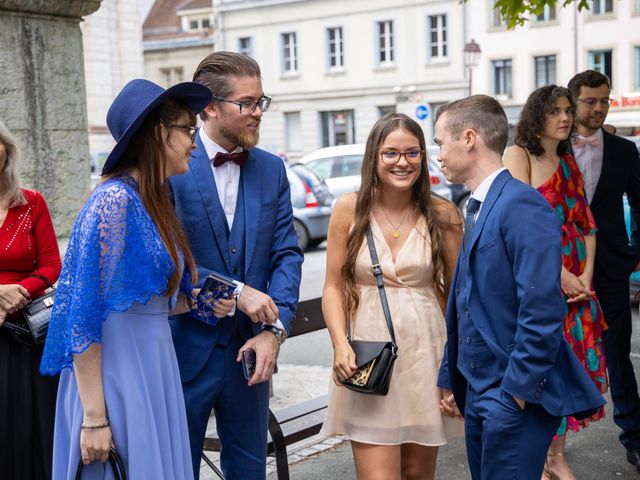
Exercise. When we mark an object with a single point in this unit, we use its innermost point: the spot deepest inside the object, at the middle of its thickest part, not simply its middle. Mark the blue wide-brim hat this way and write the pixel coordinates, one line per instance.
(136, 100)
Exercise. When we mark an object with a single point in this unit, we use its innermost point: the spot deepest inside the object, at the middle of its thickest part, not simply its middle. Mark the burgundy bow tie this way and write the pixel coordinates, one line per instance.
(581, 142)
(238, 158)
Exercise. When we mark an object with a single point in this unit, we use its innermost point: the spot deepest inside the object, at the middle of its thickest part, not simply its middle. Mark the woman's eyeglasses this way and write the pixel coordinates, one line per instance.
(191, 131)
(391, 157)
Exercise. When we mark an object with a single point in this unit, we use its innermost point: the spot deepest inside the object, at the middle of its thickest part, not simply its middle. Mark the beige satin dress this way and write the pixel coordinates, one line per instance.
(410, 412)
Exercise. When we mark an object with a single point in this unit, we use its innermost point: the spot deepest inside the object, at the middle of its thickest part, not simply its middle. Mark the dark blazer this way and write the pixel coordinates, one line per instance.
(615, 255)
(272, 260)
(515, 301)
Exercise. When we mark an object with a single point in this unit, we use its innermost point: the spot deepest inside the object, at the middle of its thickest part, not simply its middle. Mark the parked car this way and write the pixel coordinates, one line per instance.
(312, 203)
(340, 168)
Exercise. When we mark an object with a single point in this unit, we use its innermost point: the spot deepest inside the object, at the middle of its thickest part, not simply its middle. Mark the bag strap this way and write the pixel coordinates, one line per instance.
(529, 160)
(377, 272)
(44, 279)
(117, 465)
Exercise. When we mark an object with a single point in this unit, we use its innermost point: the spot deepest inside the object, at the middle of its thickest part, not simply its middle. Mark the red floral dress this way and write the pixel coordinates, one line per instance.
(584, 321)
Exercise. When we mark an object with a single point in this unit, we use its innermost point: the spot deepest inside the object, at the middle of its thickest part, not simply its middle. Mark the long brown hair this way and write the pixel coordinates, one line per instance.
(146, 152)
(10, 192)
(422, 198)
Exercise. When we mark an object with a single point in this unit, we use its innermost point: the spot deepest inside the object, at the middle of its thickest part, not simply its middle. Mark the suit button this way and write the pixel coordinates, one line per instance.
(468, 339)
(459, 341)
(472, 365)
(467, 314)
(457, 291)
(537, 395)
(458, 316)
(234, 249)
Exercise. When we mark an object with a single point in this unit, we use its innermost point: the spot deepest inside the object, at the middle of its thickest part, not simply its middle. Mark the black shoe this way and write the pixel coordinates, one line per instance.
(633, 457)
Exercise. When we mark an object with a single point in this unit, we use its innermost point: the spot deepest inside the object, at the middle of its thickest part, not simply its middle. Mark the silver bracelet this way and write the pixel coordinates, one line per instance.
(95, 427)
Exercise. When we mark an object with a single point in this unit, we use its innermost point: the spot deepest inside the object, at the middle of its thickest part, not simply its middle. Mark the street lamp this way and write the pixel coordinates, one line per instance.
(471, 58)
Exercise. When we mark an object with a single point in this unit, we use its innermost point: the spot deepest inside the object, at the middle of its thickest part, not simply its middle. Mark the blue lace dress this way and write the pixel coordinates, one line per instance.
(111, 291)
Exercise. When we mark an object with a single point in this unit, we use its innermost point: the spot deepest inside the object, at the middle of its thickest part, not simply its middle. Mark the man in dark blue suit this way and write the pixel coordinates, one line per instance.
(506, 365)
(235, 206)
(610, 167)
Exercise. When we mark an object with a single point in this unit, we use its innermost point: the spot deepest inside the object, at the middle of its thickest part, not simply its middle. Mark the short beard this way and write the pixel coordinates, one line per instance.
(244, 141)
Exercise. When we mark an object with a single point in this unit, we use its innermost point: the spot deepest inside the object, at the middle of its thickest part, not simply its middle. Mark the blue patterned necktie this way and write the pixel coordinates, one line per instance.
(472, 207)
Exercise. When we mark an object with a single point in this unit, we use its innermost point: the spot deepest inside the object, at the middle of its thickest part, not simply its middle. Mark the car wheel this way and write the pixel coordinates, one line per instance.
(303, 235)
(462, 205)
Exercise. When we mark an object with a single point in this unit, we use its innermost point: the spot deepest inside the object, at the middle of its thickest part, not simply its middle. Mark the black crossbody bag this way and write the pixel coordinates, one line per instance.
(374, 359)
(32, 321)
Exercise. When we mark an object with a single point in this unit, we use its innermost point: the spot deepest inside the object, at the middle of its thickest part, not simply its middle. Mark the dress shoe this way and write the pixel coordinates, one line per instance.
(633, 457)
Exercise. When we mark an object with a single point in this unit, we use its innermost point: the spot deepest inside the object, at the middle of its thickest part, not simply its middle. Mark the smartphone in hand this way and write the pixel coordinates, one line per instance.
(248, 363)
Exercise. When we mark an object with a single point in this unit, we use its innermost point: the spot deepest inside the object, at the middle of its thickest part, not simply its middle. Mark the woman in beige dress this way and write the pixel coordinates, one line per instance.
(417, 237)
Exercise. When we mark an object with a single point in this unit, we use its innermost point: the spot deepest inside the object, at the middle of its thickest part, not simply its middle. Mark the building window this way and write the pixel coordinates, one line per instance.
(385, 42)
(548, 14)
(171, 76)
(293, 135)
(601, 7)
(502, 77)
(636, 6)
(337, 128)
(545, 70)
(196, 24)
(245, 46)
(437, 28)
(289, 53)
(382, 111)
(335, 47)
(600, 61)
(497, 19)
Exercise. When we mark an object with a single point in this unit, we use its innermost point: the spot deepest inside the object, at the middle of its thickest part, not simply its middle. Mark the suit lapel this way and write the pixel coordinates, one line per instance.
(252, 201)
(201, 168)
(487, 205)
(606, 154)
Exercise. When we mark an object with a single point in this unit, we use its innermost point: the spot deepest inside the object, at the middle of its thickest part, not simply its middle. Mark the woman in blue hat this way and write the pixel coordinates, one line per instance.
(127, 267)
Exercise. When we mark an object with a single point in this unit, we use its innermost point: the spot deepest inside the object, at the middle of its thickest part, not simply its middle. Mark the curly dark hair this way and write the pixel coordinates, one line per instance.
(534, 115)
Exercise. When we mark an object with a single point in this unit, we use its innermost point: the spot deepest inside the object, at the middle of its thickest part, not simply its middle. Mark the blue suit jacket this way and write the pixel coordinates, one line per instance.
(272, 262)
(516, 303)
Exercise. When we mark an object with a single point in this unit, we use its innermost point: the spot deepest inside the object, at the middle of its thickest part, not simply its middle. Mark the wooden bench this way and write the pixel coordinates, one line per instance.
(297, 422)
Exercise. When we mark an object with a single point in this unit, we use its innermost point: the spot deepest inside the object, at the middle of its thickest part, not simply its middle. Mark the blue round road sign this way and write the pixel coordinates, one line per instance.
(422, 112)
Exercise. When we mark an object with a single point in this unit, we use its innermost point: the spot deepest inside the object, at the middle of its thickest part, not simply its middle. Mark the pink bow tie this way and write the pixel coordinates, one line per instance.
(580, 141)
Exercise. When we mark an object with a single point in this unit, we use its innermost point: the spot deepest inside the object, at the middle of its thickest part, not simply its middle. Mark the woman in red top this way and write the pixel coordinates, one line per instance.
(28, 251)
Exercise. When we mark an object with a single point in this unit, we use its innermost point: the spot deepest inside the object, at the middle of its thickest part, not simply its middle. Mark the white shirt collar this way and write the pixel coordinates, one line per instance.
(480, 193)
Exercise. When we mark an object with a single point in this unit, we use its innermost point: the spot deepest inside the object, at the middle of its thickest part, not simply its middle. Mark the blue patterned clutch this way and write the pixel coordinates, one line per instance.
(215, 287)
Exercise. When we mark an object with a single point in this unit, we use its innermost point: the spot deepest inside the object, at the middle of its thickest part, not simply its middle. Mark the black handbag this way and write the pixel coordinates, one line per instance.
(374, 359)
(117, 465)
(32, 321)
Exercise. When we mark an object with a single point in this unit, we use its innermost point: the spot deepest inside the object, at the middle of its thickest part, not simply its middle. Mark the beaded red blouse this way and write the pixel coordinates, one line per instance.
(28, 245)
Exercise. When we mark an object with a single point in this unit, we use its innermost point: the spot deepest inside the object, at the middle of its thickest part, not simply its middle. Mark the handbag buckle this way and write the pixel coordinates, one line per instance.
(48, 302)
(377, 270)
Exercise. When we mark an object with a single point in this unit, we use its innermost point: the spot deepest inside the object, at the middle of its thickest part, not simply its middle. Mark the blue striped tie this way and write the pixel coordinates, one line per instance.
(472, 207)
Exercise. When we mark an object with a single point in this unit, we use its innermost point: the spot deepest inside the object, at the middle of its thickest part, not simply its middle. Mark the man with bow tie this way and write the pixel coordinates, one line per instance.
(611, 167)
(235, 206)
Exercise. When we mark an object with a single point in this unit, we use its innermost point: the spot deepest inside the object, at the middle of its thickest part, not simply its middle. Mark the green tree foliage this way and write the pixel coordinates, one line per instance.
(517, 12)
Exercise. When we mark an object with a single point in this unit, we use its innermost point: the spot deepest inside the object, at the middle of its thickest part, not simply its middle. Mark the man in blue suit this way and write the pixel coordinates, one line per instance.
(235, 206)
(506, 365)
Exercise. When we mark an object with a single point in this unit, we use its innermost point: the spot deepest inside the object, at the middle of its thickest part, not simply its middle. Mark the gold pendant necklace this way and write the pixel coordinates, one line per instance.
(395, 232)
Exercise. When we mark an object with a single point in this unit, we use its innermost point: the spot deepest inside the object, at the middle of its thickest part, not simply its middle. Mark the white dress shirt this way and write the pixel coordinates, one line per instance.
(480, 193)
(589, 160)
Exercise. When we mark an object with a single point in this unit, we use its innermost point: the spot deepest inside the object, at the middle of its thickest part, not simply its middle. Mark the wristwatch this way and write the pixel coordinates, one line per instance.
(281, 334)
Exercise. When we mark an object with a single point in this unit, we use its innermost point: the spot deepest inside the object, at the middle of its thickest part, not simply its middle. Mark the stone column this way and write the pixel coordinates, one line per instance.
(43, 100)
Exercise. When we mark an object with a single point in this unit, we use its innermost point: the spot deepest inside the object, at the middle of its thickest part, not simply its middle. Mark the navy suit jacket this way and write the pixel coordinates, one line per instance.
(515, 301)
(272, 261)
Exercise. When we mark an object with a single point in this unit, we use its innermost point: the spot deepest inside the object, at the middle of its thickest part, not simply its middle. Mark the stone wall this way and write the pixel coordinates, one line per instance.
(42, 98)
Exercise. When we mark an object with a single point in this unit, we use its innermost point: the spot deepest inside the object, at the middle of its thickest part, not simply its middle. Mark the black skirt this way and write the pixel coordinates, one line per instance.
(27, 411)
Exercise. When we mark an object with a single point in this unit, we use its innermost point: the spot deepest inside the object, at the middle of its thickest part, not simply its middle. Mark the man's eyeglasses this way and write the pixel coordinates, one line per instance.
(592, 101)
(191, 131)
(391, 157)
(248, 107)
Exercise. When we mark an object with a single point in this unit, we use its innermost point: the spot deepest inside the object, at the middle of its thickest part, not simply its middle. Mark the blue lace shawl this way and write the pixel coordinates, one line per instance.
(115, 257)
